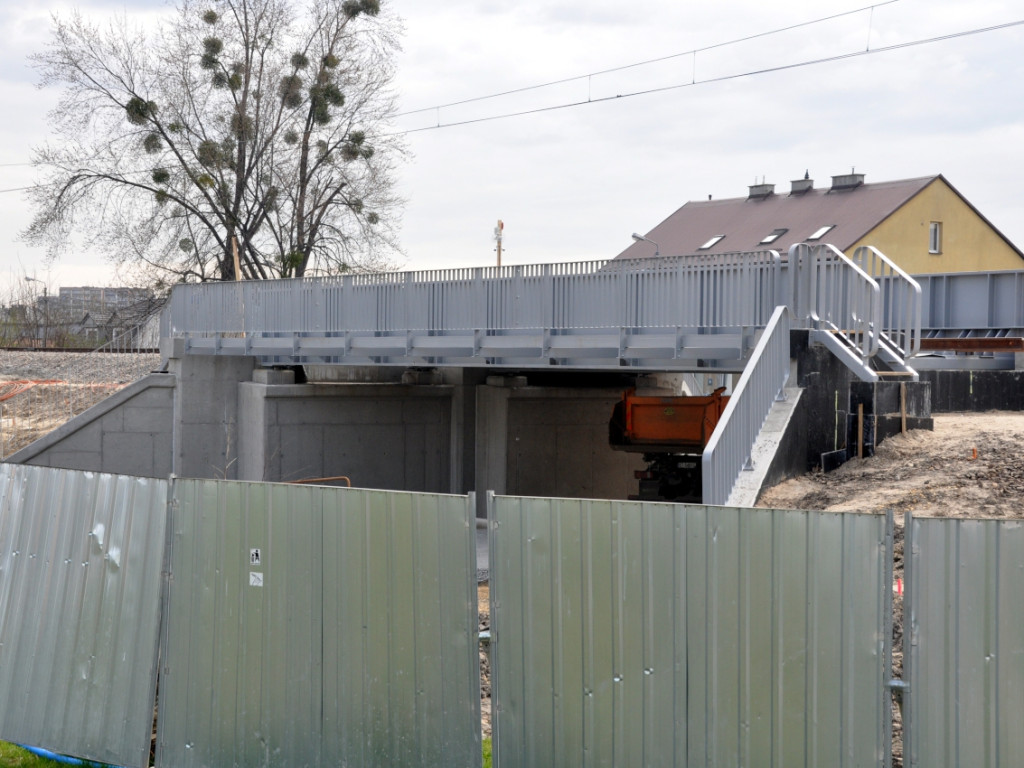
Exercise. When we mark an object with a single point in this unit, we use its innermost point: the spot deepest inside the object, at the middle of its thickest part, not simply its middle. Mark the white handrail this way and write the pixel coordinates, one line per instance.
(833, 293)
(728, 451)
(901, 313)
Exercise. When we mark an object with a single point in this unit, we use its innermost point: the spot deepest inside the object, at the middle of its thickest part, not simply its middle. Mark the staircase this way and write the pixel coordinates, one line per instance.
(866, 310)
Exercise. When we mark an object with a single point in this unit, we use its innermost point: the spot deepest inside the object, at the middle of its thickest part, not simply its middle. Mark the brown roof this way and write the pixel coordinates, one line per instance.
(745, 222)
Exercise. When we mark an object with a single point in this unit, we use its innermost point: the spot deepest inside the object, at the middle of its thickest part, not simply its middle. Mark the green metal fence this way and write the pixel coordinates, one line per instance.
(630, 633)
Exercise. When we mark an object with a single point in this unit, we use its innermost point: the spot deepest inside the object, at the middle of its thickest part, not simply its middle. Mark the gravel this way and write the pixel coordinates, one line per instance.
(77, 366)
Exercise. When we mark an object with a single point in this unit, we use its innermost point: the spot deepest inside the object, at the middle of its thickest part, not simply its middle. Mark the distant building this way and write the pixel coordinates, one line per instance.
(88, 298)
(925, 225)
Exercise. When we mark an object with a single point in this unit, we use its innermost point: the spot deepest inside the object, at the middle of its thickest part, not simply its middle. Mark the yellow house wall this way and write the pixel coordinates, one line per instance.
(969, 244)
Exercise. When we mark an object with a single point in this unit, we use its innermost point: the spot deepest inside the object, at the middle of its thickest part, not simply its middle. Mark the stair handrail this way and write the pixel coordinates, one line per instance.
(764, 378)
(830, 292)
(901, 296)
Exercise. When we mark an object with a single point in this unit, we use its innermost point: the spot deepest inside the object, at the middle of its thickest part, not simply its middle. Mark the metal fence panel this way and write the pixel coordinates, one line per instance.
(81, 556)
(652, 634)
(966, 649)
(973, 300)
(319, 626)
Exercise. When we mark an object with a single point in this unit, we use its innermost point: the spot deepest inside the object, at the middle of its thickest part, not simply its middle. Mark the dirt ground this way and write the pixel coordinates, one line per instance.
(483, 596)
(972, 465)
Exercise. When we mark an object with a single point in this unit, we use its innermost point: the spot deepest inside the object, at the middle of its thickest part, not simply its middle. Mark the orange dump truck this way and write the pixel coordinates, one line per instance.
(671, 433)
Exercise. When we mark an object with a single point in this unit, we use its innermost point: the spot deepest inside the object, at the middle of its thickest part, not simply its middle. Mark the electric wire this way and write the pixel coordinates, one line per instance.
(676, 86)
(710, 80)
(658, 60)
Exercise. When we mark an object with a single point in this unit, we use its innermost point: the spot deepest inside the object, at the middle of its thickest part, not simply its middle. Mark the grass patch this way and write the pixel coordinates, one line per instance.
(487, 753)
(12, 756)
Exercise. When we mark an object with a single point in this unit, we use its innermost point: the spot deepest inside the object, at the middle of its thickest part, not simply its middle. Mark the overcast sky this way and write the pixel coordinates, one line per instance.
(573, 183)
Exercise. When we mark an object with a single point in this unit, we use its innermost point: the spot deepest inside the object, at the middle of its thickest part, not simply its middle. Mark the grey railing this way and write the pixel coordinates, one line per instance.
(901, 297)
(695, 292)
(762, 383)
(831, 293)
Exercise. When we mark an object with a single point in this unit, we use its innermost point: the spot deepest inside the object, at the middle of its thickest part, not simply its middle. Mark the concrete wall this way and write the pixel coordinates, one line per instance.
(954, 391)
(390, 436)
(222, 417)
(205, 440)
(128, 433)
(555, 443)
(829, 403)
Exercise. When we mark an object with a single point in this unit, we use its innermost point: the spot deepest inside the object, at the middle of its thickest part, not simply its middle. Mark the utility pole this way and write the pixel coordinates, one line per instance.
(497, 237)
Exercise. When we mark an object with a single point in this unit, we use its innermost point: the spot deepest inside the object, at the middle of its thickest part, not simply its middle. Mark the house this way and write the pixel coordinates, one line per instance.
(925, 225)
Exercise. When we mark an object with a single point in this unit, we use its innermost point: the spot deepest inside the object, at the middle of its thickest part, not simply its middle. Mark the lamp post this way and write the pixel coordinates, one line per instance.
(46, 310)
(642, 239)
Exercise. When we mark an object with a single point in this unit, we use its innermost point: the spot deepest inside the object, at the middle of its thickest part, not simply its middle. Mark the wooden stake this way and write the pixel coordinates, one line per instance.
(903, 407)
(860, 430)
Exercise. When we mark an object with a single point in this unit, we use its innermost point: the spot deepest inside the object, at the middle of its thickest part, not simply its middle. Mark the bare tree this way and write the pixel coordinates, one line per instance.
(241, 127)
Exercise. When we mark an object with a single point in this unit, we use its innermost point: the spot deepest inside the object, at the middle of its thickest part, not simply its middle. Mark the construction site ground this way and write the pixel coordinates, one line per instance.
(971, 465)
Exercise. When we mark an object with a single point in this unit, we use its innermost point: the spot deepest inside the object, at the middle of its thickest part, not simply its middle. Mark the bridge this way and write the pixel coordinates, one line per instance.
(505, 379)
(720, 313)
(673, 313)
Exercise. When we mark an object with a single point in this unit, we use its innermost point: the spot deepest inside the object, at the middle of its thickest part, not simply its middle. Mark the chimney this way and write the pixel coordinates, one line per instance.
(760, 191)
(799, 186)
(847, 181)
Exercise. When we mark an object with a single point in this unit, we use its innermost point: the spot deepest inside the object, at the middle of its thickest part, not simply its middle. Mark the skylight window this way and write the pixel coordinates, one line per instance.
(712, 242)
(820, 233)
(775, 235)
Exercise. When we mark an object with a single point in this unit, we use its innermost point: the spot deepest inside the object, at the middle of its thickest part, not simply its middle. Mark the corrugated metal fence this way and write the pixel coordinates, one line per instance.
(322, 626)
(966, 643)
(319, 626)
(654, 634)
(303, 626)
(81, 556)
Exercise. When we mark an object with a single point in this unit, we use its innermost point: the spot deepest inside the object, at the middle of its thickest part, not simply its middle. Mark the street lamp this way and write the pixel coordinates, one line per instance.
(642, 239)
(46, 310)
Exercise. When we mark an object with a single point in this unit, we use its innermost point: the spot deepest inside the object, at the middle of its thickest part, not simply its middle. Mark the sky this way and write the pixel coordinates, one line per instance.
(572, 183)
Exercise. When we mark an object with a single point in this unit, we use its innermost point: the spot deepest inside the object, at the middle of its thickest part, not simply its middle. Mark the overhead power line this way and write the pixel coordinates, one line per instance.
(669, 57)
(710, 80)
(677, 86)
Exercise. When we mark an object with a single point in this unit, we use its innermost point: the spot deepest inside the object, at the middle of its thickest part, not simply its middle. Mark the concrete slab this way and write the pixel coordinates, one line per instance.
(748, 485)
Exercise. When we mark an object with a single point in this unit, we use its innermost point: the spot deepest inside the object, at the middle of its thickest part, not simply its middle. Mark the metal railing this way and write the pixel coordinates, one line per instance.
(901, 296)
(832, 293)
(728, 451)
(726, 290)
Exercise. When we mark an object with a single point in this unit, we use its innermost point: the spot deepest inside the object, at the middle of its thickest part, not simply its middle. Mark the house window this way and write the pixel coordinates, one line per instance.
(821, 232)
(935, 237)
(775, 235)
(712, 242)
